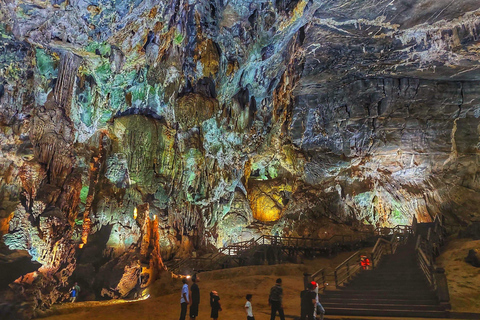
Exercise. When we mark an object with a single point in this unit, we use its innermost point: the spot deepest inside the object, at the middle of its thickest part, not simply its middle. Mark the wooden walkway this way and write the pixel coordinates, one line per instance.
(274, 249)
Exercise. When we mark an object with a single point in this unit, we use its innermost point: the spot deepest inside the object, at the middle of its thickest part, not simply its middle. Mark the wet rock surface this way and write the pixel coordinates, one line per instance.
(133, 132)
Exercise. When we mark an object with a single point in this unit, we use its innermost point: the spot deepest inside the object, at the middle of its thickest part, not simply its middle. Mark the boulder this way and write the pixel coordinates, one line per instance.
(473, 257)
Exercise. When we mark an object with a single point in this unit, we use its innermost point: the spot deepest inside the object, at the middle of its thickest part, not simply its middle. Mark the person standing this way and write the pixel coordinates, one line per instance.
(319, 310)
(74, 291)
(215, 304)
(184, 300)
(275, 300)
(248, 307)
(308, 303)
(195, 295)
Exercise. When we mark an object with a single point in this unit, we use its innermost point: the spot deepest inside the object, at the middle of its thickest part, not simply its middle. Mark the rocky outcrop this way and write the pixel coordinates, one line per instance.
(136, 131)
(473, 258)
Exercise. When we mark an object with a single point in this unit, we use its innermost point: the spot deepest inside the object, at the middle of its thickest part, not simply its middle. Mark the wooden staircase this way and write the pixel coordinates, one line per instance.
(404, 282)
(396, 288)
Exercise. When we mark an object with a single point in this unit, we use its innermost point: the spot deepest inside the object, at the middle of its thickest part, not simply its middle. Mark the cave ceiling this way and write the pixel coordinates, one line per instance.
(178, 125)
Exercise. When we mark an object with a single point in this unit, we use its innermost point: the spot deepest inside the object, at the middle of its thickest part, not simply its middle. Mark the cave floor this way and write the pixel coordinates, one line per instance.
(233, 284)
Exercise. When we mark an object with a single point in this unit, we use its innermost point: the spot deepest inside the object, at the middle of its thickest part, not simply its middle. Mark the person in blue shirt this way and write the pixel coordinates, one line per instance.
(184, 300)
(74, 291)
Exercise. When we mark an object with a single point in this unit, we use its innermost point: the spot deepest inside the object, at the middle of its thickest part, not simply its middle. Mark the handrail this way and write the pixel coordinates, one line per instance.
(323, 277)
(427, 249)
(347, 260)
(346, 270)
(380, 240)
(318, 272)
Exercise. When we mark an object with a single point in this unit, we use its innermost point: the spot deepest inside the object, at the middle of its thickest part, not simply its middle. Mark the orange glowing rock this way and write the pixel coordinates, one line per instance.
(207, 52)
(267, 199)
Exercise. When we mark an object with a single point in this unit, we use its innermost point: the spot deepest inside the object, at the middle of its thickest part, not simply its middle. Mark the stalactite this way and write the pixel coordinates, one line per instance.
(95, 164)
(67, 73)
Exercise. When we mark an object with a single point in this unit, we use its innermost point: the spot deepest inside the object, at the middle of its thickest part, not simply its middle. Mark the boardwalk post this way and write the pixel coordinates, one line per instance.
(323, 279)
(348, 269)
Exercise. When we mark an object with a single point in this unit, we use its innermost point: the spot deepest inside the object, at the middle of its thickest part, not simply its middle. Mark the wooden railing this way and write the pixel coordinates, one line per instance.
(347, 269)
(427, 249)
(302, 242)
(235, 249)
(384, 246)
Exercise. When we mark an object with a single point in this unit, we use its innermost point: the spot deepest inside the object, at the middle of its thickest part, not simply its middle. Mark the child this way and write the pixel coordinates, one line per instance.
(74, 291)
(215, 304)
(248, 307)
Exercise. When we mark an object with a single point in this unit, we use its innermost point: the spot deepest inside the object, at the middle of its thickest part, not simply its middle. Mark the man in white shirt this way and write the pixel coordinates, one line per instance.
(184, 300)
(248, 307)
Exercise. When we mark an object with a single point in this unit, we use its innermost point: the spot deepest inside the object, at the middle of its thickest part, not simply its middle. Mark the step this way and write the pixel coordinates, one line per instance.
(394, 277)
(385, 285)
(386, 290)
(382, 306)
(399, 276)
(390, 282)
(386, 313)
(366, 300)
(397, 264)
(391, 273)
(389, 295)
(393, 281)
(391, 268)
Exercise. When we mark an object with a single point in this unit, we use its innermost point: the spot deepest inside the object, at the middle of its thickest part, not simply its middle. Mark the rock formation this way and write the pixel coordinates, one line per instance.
(135, 131)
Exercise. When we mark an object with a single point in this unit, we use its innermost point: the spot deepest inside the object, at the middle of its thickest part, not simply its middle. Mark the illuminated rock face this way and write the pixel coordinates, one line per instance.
(218, 122)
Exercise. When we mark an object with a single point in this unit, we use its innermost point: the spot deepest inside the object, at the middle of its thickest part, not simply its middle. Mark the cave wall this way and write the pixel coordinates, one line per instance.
(136, 131)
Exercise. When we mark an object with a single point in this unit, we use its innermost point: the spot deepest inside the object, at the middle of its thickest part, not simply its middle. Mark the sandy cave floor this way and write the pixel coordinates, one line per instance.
(463, 278)
(233, 284)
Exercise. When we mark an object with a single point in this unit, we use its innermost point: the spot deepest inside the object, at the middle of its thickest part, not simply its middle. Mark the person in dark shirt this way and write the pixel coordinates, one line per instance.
(308, 301)
(275, 300)
(215, 304)
(195, 296)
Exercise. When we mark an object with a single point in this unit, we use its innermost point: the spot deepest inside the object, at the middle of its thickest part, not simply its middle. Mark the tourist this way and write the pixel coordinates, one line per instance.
(248, 307)
(184, 300)
(365, 262)
(195, 295)
(308, 302)
(319, 310)
(74, 291)
(275, 300)
(215, 304)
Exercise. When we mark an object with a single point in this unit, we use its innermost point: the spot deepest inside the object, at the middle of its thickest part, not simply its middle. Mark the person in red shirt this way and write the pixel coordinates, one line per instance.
(365, 262)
